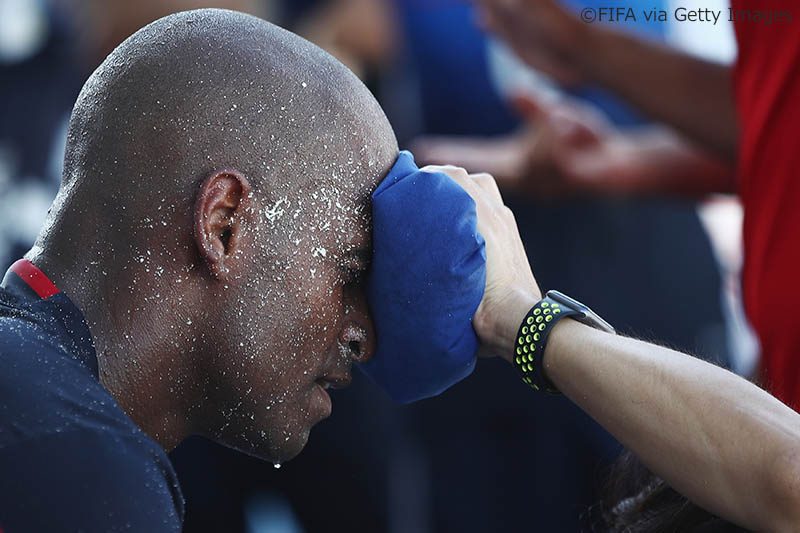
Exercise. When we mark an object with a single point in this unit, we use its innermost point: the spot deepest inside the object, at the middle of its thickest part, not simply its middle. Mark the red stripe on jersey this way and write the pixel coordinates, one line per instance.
(35, 278)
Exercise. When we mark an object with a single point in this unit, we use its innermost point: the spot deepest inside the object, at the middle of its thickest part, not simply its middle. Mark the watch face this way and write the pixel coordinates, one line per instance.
(563, 299)
(588, 317)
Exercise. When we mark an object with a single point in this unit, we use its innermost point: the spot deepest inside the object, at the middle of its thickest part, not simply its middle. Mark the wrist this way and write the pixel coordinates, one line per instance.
(562, 339)
(545, 323)
(498, 325)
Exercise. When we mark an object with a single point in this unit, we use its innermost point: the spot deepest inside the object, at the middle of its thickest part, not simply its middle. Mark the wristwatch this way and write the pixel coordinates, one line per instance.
(534, 331)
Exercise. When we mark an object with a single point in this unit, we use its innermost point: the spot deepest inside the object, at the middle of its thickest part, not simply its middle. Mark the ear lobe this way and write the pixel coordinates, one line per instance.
(218, 213)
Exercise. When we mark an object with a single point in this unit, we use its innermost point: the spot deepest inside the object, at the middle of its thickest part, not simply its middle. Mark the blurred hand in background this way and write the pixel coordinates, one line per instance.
(569, 147)
(564, 147)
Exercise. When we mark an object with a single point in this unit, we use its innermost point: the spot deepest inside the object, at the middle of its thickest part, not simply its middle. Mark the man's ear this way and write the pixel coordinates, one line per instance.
(218, 213)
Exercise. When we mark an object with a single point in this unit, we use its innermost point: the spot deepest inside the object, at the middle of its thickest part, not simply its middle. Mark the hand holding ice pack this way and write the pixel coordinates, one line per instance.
(427, 280)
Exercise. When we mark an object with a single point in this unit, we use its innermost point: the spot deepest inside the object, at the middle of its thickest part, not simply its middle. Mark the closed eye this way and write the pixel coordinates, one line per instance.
(354, 276)
(353, 272)
(355, 266)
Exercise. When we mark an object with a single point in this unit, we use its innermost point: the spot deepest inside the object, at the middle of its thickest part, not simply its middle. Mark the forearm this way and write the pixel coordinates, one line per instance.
(693, 96)
(716, 438)
(668, 164)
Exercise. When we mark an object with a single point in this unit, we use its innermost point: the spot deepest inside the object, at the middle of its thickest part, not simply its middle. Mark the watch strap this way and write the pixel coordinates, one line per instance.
(532, 339)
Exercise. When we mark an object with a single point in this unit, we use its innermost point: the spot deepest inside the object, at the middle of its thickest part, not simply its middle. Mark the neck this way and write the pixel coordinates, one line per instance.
(138, 365)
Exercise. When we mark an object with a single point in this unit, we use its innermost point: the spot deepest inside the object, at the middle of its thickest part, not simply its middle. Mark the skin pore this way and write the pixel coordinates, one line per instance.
(213, 223)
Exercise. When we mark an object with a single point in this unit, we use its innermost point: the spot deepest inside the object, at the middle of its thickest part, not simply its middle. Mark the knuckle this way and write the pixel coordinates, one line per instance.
(457, 173)
(483, 177)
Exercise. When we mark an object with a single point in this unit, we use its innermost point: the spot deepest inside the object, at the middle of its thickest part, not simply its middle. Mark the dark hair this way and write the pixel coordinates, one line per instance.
(635, 500)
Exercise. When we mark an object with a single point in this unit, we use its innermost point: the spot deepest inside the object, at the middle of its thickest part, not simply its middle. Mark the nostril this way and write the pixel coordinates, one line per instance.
(355, 348)
(352, 342)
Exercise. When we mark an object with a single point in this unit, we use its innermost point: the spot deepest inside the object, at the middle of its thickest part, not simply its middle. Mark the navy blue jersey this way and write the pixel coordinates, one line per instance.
(70, 458)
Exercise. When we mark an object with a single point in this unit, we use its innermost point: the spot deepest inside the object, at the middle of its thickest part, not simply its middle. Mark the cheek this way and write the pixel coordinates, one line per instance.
(318, 326)
(287, 341)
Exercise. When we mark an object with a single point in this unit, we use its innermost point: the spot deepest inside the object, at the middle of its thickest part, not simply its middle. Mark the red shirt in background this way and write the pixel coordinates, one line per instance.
(767, 88)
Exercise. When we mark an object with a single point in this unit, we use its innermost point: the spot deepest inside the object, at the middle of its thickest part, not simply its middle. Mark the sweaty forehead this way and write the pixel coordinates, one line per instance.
(327, 212)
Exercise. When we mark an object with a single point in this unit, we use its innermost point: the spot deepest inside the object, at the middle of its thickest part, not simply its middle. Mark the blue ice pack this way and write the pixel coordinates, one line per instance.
(426, 281)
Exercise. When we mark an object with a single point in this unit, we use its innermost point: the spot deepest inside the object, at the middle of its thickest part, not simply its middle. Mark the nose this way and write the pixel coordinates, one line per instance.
(358, 333)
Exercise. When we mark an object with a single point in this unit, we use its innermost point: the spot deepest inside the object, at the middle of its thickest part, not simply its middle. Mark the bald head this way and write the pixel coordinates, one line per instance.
(211, 225)
(205, 89)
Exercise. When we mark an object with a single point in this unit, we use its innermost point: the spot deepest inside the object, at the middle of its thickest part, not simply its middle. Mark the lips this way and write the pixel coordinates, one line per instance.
(334, 381)
(323, 401)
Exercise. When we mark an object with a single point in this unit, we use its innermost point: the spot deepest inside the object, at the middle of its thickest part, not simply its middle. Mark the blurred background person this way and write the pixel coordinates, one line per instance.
(745, 115)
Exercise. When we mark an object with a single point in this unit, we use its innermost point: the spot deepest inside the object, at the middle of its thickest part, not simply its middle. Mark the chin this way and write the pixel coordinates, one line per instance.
(272, 451)
(290, 449)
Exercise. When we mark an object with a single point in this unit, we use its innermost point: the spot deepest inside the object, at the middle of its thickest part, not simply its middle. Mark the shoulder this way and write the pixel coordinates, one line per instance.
(70, 458)
(45, 388)
(89, 480)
